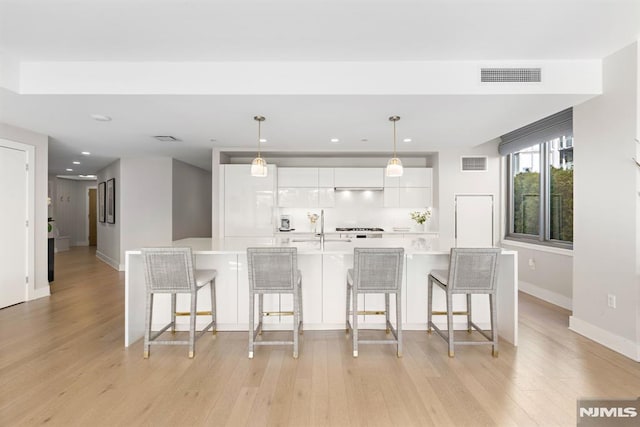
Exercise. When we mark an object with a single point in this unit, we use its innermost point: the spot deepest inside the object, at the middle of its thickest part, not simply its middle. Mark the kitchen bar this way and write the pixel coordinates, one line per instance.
(323, 286)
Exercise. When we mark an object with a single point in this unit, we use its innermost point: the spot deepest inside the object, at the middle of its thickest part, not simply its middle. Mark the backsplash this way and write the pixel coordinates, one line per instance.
(361, 208)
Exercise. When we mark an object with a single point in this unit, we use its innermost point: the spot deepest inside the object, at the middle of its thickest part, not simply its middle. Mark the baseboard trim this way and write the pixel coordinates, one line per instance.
(546, 295)
(615, 342)
(109, 261)
(40, 293)
(82, 243)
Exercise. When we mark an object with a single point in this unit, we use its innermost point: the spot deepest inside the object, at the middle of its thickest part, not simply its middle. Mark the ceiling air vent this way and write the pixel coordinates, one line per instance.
(510, 75)
(473, 164)
(166, 138)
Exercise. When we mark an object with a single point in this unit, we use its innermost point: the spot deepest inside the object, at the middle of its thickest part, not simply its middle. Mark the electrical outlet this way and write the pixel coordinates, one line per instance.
(611, 300)
(532, 263)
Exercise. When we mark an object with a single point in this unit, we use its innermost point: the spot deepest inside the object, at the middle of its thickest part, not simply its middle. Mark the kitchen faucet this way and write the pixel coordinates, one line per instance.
(322, 230)
(321, 235)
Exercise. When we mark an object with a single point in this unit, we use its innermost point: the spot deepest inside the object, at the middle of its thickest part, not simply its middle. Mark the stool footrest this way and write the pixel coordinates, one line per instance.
(277, 313)
(198, 313)
(455, 313)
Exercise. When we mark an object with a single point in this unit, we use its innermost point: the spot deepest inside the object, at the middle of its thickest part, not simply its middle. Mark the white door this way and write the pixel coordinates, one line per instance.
(474, 221)
(13, 227)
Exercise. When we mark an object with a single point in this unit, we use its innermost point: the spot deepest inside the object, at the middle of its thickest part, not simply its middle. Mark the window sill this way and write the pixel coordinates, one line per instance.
(538, 247)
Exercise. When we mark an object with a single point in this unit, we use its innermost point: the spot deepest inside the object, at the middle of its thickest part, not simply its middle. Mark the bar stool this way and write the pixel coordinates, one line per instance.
(375, 271)
(274, 271)
(471, 271)
(171, 271)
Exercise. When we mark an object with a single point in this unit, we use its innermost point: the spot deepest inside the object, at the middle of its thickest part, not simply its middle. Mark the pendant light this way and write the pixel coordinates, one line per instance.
(259, 165)
(394, 167)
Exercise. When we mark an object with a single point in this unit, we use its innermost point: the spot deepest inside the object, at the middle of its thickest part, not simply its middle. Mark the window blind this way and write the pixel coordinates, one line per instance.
(538, 132)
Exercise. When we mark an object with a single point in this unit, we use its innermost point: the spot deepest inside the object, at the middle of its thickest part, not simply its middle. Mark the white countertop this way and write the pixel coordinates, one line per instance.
(412, 245)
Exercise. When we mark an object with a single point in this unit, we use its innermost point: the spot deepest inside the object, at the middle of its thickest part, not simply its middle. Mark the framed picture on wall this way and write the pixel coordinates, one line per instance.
(101, 199)
(111, 201)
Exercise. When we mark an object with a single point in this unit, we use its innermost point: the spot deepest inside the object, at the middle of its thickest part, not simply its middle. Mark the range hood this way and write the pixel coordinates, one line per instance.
(359, 188)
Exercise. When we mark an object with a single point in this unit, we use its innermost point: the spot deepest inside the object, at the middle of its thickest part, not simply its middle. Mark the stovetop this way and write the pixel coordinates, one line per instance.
(359, 229)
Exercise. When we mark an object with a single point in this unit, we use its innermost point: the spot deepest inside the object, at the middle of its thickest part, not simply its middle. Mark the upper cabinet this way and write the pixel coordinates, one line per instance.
(297, 177)
(305, 188)
(358, 177)
(411, 177)
(411, 190)
(249, 201)
(325, 178)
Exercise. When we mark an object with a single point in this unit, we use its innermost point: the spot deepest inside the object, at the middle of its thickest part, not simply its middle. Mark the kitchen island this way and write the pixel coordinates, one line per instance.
(323, 287)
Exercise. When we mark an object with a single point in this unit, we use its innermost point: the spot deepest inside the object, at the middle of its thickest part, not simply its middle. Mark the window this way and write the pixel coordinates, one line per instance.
(540, 181)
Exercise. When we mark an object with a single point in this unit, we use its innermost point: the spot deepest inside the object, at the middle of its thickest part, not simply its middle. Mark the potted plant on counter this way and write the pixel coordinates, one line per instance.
(421, 217)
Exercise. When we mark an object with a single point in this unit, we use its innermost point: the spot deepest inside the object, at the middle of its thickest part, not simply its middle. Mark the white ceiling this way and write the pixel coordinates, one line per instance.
(253, 30)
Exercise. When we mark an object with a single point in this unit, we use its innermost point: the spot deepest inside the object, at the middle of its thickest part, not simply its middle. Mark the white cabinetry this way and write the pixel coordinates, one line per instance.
(293, 197)
(411, 190)
(325, 177)
(358, 177)
(297, 177)
(305, 188)
(249, 201)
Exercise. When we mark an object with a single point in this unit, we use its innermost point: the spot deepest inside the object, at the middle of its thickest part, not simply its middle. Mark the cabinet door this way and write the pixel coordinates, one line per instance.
(325, 177)
(391, 197)
(298, 197)
(358, 177)
(297, 177)
(391, 181)
(249, 201)
(416, 177)
(419, 197)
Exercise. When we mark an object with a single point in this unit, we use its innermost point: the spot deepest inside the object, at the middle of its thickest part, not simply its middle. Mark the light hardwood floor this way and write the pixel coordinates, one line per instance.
(62, 362)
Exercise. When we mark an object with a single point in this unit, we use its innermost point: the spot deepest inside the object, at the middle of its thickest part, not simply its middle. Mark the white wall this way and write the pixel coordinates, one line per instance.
(451, 181)
(108, 249)
(145, 211)
(71, 215)
(606, 251)
(191, 199)
(41, 144)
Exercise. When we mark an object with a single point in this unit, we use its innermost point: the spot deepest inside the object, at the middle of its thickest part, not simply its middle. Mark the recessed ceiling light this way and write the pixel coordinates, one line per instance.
(213, 140)
(101, 117)
(364, 140)
(76, 163)
(263, 140)
(406, 140)
(69, 170)
(335, 140)
(85, 153)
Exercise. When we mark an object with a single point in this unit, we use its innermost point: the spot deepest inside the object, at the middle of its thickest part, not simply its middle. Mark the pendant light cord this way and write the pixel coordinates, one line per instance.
(394, 139)
(259, 123)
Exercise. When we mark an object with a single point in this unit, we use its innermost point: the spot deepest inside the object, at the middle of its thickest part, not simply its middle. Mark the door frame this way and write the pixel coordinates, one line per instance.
(87, 207)
(30, 281)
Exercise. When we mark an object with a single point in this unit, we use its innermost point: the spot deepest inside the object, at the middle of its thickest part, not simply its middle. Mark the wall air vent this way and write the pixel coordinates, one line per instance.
(473, 164)
(510, 75)
(166, 138)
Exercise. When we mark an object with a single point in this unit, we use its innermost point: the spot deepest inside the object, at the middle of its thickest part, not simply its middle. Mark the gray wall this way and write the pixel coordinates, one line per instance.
(606, 252)
(544, 274)
(108, 249)
(145, 203)
(191, 200)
